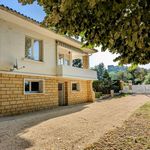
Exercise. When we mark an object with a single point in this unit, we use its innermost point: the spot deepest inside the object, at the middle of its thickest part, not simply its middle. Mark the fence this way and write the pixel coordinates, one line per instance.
(140, 89)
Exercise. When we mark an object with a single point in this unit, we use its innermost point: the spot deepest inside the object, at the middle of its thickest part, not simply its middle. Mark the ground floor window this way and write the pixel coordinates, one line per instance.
(33, 86)
(75, 86)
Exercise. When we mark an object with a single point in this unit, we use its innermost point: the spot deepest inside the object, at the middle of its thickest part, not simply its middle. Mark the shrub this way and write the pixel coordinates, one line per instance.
(98, 94)
(116, 86)
(103, 86)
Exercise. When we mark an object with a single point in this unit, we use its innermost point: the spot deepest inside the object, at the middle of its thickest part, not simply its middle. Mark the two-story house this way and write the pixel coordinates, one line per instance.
(36, 66)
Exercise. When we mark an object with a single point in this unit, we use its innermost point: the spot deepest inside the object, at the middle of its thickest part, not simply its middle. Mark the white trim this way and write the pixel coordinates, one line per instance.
(41, 48)
(78, 86)
(45, 75)
(28, 74)
(32, 60)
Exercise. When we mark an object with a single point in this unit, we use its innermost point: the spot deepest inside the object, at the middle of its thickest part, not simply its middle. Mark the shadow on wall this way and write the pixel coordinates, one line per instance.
(12, 127)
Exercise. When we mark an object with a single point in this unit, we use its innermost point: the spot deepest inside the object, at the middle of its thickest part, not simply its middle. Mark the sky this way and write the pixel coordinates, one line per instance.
(36, 12)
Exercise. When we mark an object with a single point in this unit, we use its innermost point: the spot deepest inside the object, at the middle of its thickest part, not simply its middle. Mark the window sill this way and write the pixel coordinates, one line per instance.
(75, 91)
(32, 93)
(32, 60)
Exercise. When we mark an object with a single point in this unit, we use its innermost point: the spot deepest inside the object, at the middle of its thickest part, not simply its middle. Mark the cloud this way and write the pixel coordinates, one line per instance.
(107, 58)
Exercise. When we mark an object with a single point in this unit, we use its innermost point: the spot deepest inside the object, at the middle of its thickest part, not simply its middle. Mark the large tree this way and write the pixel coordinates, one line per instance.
(137, 74)
(100, 69)
(121, 26)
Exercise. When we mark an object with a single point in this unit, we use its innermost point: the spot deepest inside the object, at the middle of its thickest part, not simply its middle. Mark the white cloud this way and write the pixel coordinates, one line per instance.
(107, 59)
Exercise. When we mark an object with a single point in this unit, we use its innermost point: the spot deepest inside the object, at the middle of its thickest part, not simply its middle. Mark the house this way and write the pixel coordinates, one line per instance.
(36, 69)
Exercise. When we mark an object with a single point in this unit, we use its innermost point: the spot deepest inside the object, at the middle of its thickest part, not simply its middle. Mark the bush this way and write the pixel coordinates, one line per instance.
(98, 94)
(102, 86)
(116, 86)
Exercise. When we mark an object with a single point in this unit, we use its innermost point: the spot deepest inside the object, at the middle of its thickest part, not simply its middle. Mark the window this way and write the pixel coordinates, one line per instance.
(63, 59)
(33, 86)
(77, 63)
(75, 86)
(33, 49)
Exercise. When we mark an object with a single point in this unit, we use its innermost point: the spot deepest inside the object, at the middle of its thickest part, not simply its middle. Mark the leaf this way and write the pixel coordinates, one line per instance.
(135, 36)
(131, 43)
(117, 35)
(111, 41)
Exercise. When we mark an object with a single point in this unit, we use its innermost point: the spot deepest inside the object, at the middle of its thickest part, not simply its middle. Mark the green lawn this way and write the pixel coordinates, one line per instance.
(133, 135)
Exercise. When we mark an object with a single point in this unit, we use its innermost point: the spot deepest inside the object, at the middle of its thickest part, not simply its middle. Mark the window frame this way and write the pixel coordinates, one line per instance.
(41, 50)
(64, 60)
(34, 80)
(78, 87)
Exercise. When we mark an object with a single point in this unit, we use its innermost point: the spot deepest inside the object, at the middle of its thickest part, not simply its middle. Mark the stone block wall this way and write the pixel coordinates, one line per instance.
(14, 101)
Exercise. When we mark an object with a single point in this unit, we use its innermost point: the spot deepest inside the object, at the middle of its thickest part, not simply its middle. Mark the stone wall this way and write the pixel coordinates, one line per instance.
(14, 101)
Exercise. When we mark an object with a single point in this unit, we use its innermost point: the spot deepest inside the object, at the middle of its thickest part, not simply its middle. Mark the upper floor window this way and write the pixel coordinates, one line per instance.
(77, 63)
(63, 59)
(33, 49)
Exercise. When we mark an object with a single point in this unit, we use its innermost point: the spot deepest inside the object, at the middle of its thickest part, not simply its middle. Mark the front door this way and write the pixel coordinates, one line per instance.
(61, 94)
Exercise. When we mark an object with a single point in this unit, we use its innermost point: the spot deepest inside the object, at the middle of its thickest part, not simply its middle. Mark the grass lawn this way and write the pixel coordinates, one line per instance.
(133, 135)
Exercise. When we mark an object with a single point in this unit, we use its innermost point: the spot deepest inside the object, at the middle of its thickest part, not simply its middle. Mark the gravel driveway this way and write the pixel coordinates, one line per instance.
(69, 128)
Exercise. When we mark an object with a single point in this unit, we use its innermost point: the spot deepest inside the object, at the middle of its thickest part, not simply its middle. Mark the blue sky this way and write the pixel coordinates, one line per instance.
(36, 12)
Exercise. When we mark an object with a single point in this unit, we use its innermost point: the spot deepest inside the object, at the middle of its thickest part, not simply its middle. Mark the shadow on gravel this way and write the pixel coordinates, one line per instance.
(12, 127)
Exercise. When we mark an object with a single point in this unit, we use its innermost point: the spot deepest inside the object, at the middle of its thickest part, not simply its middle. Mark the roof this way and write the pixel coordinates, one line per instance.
(18, 14)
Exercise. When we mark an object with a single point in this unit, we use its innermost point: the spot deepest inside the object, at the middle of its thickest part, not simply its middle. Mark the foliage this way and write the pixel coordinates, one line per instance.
(106, 82)
(77, 63)
(106, 75)
(115, 85)
(100, 69)
(121, 26)
(147, 79)
(134, 73)
(137, 74)
(97, 85)
(98, 94)
(103, 85)
(121, 75)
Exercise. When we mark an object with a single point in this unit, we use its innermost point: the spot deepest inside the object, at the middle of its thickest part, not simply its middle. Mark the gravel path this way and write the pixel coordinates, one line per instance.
(67, 128)
(133, 135)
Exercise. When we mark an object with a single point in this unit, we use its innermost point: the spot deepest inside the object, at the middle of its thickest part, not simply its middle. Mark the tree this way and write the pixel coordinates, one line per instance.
(121, 26)
(100, 69)
(121, 75)
(106, 75)
(137, 74)
(103, 84)
(147, 79)
(107, 81)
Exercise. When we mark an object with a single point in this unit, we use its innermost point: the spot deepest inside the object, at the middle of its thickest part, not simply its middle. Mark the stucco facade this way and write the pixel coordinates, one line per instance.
(12, 45)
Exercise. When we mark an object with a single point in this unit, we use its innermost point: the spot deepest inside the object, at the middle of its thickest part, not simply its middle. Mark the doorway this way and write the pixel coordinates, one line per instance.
(62, 94)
